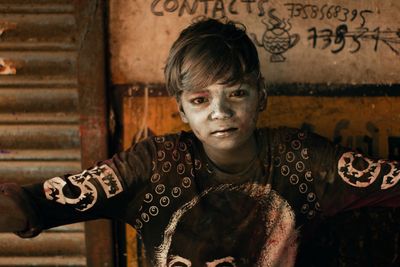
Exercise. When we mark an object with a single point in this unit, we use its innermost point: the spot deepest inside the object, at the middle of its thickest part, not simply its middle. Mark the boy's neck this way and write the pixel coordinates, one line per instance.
(234, 161)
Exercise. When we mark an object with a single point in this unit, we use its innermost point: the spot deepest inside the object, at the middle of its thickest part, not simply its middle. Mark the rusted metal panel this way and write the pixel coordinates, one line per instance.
(39, 117)
(75, 227)
(61, 80)
(46, 100)
(59, 261)
(40, 63)
(39, 136)
(37, 25)
(24, 172)
(36, 6)
(60, 246)
(40, 154)
(37, 31)
(45, 244)
(93, 107)
(42, 118)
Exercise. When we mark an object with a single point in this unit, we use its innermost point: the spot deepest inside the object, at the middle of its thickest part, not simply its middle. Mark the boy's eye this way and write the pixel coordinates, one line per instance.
(239, 93)
(198, 100)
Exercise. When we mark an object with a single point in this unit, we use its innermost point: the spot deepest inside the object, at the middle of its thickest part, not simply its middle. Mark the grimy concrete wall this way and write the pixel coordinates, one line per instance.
(299, 41)
(332, 67)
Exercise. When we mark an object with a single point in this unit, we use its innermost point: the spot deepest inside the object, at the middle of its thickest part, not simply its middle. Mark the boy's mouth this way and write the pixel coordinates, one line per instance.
(224, 132)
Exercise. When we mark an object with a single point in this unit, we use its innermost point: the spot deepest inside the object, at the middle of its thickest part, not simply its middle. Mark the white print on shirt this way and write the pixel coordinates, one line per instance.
(360, 171)
(393, 176)
(280, 247)
(220, 262)
(356, 176)
(84, 183)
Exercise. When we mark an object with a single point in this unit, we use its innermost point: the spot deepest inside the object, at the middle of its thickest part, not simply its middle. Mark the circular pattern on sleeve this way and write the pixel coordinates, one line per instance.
(291, 161)
(173, 172)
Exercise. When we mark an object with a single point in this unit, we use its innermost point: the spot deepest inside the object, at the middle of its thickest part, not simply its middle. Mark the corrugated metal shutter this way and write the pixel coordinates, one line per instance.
(39, 117)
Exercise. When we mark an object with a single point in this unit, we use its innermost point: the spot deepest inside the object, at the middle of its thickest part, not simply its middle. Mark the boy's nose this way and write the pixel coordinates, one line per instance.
(220, 110)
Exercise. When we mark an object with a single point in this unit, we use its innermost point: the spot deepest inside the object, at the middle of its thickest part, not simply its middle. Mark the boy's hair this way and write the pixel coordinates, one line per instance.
(211, 51)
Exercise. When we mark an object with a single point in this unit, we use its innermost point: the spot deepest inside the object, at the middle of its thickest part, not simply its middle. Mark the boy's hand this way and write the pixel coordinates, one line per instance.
(12, 218)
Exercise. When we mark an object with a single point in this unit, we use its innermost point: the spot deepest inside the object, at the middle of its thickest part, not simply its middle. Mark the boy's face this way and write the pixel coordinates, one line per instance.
(222, 117)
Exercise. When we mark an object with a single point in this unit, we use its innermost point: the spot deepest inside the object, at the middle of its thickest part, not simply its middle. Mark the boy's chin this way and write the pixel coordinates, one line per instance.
(224, 146)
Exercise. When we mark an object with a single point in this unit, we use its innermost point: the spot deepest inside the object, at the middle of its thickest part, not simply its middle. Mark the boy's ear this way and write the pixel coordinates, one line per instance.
(262, 99)
(182, 113)
(262, 94)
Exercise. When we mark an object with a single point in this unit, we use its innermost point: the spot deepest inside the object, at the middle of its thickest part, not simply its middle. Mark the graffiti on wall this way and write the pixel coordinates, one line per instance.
(337, 38)
(367, 143)
(327, 12)
(276, 38)
(346, 29)
(209, 8)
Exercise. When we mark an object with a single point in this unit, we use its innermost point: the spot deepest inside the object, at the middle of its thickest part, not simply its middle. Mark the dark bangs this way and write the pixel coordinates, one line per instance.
(210, 52)
(209, 62)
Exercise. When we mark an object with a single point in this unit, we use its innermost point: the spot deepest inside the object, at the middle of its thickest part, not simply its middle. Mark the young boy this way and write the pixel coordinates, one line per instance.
(225, 194)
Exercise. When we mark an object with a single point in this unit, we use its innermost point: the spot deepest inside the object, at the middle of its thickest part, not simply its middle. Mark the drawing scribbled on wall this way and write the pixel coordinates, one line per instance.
(349, 34)
(276, 38)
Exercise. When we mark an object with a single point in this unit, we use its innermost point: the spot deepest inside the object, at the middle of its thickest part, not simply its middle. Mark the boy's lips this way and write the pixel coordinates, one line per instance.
(224, 131)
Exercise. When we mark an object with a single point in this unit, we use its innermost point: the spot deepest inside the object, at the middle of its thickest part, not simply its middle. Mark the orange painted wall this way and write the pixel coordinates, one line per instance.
(353, 118)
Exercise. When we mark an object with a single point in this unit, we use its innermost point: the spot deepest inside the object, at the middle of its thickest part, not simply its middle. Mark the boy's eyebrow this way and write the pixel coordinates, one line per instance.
(205, 90)
(198, 91)
(199, 94)
(237, 86)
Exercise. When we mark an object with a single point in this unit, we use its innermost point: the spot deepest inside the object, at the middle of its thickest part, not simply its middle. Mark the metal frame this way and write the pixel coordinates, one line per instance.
(93, 116)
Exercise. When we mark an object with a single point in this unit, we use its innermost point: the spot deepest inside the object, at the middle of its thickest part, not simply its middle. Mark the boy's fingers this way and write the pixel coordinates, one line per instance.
(12, 218)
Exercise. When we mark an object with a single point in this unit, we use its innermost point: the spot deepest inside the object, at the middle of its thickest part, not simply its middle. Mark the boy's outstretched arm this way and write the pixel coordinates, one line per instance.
(346, 179)
(105, 190)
